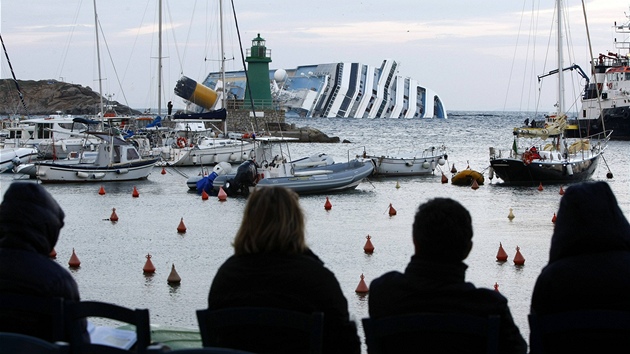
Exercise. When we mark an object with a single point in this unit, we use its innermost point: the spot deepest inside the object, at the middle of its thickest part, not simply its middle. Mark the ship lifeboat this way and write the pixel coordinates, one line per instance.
(466, 177)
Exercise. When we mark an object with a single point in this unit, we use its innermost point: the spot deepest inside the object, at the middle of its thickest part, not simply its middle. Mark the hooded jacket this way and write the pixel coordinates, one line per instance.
(30, 221)
(589, 257)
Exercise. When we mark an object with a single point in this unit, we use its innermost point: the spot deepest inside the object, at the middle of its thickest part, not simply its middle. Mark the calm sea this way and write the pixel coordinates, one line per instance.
(112, 255)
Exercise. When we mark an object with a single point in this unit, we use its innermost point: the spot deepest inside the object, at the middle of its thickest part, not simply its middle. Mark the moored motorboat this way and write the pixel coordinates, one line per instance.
(10, 157)
(116, 160)
(415, 163)
(317, 173)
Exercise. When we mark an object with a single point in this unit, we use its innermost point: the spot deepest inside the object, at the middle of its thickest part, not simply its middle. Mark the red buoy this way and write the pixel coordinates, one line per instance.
(496, 287)
(553, 219)
(74, 260)
(561, 191)
(368, 248)
(222, 195)
(181, 228)
(475, 185)
(101, 191)
(163, 171)
(204, 195)
(444, 178)
(328, 204)
(113, 217)
(53, 253)
(518, 258)
(135, 193)
(501, 254)
(362, 288)
(453, 169)
(392, 211)
(174, 278)
(540, 187)
(148, 265)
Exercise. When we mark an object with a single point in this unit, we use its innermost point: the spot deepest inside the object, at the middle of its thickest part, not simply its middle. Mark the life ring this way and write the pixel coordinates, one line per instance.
(182, 142)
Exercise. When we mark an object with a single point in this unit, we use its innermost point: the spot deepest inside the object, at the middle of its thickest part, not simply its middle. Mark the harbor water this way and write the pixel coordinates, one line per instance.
(113, 255)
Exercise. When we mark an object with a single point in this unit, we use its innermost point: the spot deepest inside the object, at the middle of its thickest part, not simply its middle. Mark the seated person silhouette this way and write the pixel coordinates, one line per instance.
(30, 222)
(434, 282)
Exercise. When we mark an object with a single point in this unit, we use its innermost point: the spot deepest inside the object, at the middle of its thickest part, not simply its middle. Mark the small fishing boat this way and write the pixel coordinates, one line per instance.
(115, 160)
(415, 163)
(309, 175)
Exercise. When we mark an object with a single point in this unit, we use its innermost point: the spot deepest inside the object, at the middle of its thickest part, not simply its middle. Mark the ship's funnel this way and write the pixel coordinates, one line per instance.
(195, 92)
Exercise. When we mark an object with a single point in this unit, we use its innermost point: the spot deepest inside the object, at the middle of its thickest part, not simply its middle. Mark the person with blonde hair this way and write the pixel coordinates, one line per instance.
(273, 267)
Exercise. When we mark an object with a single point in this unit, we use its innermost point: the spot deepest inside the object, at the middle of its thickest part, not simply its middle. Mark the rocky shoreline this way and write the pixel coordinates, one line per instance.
(44, 97)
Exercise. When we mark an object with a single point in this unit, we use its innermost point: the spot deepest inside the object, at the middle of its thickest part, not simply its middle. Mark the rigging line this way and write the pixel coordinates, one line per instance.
(590, 50)
(17, 85)
(249, 89)
(109, 54)
(180, 57)
(507, 91)
(67, 46)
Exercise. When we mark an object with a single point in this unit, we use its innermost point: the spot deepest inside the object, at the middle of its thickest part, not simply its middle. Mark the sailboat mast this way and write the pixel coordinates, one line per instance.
(98, 59)
(560, 61)
(159, 107)
(223, 86)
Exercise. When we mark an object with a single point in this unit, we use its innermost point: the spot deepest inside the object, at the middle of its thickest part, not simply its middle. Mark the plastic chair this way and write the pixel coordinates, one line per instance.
(76, 311)
(261, 329)
(589, 331)
(11, 343)
(25, 314)
(432, 333)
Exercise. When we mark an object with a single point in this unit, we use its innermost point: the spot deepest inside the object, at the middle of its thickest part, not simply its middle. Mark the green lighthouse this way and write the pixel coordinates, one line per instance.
(258, 84)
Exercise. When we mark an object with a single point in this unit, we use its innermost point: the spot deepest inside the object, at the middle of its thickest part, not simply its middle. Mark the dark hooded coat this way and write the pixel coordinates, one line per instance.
(30, 221)
(589, 257)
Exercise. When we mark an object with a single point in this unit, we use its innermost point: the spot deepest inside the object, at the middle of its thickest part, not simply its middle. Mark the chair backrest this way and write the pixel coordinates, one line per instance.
(206, 350)
(21, 343)
(261, 329)
(36, 316)
(432, 333)
(75, 312)
(579, 331)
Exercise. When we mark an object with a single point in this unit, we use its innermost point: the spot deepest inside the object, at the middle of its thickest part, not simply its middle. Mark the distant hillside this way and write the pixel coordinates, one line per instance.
(49, 96)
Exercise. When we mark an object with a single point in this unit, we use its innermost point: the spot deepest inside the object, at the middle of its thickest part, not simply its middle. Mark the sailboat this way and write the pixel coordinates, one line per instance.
(206, 149)
(542, 152)
(115, 158)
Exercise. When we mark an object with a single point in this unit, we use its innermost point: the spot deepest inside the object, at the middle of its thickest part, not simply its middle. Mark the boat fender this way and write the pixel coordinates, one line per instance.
(182, 142)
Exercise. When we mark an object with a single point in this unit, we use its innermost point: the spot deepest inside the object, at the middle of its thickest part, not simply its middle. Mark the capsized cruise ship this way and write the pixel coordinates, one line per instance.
(352, 90)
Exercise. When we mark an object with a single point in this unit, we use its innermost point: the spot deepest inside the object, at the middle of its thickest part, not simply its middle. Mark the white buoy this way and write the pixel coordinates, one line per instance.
(569, 169)
(425, 165)
(441, 161)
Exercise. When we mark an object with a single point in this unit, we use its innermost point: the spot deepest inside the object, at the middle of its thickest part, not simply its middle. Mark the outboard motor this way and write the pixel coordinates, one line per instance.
(245, 177)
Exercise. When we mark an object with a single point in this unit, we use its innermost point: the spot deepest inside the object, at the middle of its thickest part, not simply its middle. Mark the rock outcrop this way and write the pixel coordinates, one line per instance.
(45, 97)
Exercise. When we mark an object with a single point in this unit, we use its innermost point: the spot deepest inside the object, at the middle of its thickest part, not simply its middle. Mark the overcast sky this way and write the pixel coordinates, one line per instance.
(477, 55)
